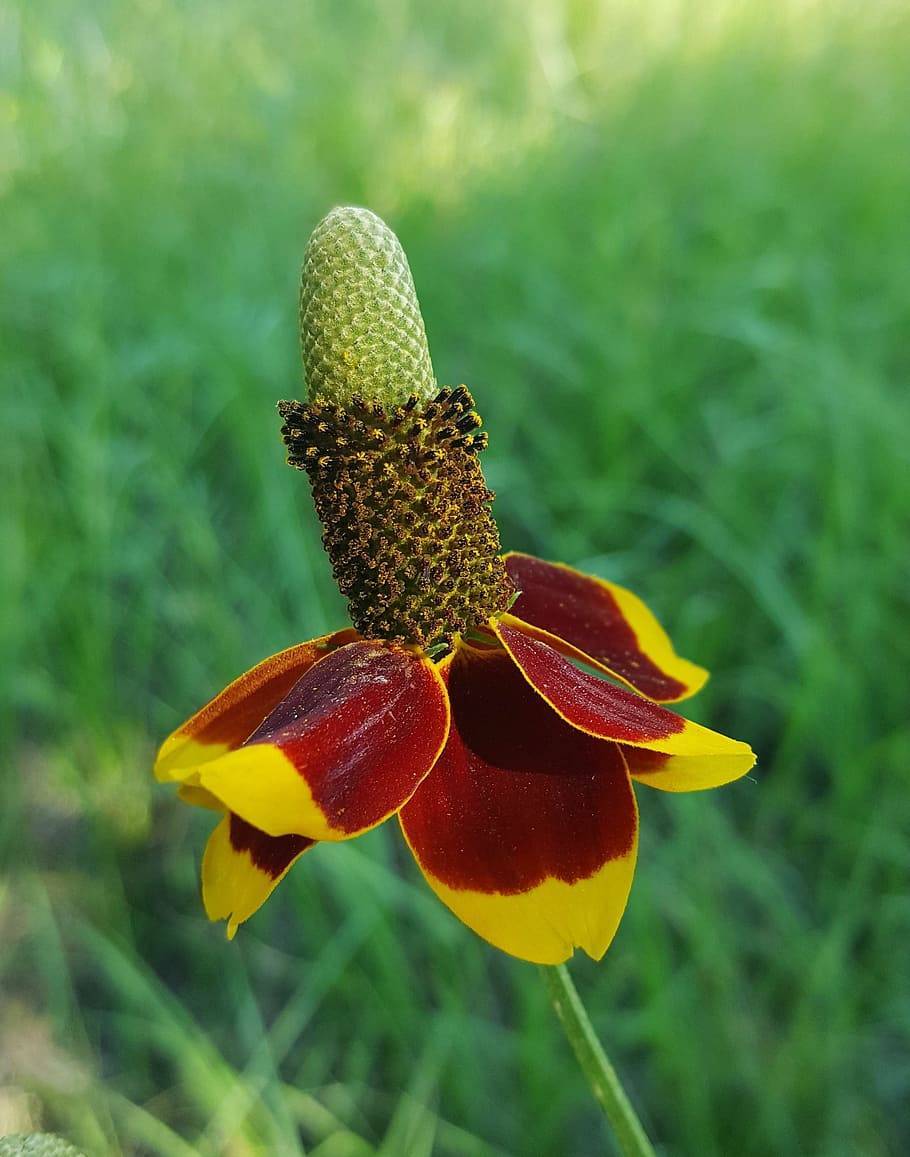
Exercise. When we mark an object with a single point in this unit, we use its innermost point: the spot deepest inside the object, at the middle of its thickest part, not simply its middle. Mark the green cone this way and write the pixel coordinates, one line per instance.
(361, 331)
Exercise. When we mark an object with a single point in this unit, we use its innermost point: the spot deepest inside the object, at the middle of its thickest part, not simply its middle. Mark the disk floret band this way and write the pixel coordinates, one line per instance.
(405, 512)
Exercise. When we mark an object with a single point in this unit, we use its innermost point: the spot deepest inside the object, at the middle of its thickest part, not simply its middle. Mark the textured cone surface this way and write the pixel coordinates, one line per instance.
(36, 1145)
(405, 513)
(361, 331)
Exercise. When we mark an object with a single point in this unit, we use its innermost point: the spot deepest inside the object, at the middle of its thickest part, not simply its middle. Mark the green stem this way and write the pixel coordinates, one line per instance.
(605, 1084)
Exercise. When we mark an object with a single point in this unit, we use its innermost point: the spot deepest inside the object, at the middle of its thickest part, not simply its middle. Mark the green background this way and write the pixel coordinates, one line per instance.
(667, 246)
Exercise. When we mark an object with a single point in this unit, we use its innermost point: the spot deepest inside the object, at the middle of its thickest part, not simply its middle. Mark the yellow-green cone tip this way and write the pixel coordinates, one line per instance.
(361, 331)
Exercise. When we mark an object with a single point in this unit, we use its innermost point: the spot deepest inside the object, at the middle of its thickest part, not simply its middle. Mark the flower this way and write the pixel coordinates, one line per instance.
(500, 705)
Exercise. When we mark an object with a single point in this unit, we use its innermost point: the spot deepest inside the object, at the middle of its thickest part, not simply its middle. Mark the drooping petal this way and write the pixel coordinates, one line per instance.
(603, 624)
(526, 827)
(681, 772)
(228, 719)
(343, 750)
(696, 757)
(242, 867)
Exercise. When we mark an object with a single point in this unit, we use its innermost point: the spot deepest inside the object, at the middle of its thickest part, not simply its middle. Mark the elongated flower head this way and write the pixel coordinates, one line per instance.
(392, 459)
(361, 330)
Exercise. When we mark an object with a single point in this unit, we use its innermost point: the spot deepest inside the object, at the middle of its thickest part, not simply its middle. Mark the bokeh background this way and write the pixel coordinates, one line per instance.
(668, 247)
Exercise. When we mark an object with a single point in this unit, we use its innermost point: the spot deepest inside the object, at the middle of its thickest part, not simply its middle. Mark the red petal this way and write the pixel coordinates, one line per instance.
(603, 624)
(343, 750)
(526, 828)
(241, 868)
(700, 758)
(228, 719)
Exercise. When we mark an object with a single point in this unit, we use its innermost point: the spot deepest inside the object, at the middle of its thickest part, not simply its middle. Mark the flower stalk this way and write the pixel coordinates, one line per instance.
(606, 1088)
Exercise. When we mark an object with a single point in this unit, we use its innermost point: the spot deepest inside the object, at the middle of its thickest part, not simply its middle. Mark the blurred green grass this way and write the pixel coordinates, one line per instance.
(667, 248)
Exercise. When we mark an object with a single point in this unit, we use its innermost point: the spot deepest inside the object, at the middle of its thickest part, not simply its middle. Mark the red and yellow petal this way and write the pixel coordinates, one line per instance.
(526, 828)
(343, 750)
(695, 756)
(228, 719)
(681, 772)
(241, 868)
(603, 624)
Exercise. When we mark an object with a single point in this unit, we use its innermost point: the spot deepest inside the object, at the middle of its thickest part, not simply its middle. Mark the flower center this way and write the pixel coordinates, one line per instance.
(405, 512)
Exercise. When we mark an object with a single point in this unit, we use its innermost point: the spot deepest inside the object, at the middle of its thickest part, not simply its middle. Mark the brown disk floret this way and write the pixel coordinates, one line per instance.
(405, 513)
